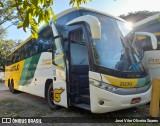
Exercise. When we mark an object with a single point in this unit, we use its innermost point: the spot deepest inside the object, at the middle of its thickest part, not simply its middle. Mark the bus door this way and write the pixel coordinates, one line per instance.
(79, 65)
(59, 71)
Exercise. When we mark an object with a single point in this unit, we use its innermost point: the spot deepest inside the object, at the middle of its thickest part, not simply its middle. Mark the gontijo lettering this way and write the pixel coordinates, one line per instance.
(15, 68)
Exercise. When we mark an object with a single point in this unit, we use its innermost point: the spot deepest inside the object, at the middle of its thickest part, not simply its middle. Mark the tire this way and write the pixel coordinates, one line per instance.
(12, 87)
(50, 98)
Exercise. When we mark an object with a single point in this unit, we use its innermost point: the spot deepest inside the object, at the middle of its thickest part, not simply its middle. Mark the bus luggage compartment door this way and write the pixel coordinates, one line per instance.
(59, 88)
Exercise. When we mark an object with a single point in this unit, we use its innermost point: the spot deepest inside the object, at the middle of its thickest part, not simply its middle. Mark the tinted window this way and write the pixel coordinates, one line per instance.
(9, 59)
(33, 46)
(45, 40)
(27, 49)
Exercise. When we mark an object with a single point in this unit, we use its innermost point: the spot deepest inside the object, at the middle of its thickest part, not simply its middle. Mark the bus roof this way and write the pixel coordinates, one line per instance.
(147, 20)
(87, 9)
(61, 14)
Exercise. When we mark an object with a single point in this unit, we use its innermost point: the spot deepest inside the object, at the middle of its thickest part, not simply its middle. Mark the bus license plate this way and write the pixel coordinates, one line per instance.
(136, 100)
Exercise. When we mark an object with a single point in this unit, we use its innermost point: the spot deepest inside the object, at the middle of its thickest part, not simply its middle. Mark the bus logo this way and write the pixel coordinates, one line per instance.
(14, 68)
(57, 94)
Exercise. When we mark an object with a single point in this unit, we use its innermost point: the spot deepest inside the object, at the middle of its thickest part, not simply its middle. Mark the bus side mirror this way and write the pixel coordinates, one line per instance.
(148, 41)
(92, 21)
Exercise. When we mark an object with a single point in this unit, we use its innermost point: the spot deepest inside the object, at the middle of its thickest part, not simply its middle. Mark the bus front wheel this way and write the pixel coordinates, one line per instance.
(50, 97)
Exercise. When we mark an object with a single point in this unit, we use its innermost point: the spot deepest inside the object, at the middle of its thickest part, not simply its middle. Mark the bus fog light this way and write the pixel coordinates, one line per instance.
(101, 102)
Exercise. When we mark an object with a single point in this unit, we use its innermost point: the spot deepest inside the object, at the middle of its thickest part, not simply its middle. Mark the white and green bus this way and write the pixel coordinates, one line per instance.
(84, 60)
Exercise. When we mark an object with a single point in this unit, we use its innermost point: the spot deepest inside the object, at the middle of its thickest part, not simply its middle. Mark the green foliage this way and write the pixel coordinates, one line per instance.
(1, 4)
(2, 32)
(8, 14)
(79, 2)
(32, 13)
(6, 46)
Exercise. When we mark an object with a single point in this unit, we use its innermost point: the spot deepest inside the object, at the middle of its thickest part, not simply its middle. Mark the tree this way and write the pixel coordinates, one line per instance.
(7, 46)
(3, 32)
(137, 16)
(7, 14)
(31, 13)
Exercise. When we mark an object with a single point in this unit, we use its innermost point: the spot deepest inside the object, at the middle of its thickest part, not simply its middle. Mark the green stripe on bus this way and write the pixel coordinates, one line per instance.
(29, 69)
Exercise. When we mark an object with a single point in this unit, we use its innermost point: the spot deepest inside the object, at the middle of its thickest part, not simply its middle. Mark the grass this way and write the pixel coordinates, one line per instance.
(15, 108)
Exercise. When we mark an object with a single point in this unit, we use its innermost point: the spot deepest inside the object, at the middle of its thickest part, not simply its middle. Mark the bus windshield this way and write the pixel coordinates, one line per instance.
(130, 37)
(112, 51)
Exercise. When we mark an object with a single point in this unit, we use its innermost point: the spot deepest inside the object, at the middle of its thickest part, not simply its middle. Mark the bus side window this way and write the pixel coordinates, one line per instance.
(34, 46)
(25, 51)
(45, 40)
(22, 51)
(9, 60)
(13, 58)
(18, 55)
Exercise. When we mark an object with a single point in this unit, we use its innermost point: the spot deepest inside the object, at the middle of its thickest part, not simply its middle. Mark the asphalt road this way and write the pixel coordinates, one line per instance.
(24, 97)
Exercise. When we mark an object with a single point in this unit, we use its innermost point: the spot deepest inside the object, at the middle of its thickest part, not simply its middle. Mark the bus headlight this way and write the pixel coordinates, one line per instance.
(103, 85)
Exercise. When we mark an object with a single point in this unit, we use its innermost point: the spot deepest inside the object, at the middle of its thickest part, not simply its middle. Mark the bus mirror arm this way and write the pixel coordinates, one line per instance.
(152, 36)
(92, 21)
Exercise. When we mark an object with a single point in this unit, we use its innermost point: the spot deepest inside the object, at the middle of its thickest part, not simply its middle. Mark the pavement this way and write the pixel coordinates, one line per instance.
(24, 97)
(3, 87)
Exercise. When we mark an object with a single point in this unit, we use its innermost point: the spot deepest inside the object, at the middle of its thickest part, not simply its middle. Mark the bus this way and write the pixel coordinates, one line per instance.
(152, 56)
(83, 60)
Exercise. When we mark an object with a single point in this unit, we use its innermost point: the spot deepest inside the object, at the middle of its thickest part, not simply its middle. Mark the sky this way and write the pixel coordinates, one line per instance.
(114, 7)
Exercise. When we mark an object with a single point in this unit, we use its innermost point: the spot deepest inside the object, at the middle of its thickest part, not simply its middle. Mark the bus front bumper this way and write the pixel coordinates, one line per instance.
(103, 101)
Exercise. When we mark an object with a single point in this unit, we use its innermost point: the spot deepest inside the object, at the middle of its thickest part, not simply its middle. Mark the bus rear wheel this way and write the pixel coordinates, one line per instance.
(50, 96)
(11, 87)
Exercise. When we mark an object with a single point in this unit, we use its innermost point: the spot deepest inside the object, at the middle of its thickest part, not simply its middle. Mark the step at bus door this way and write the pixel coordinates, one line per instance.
(59, 72)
